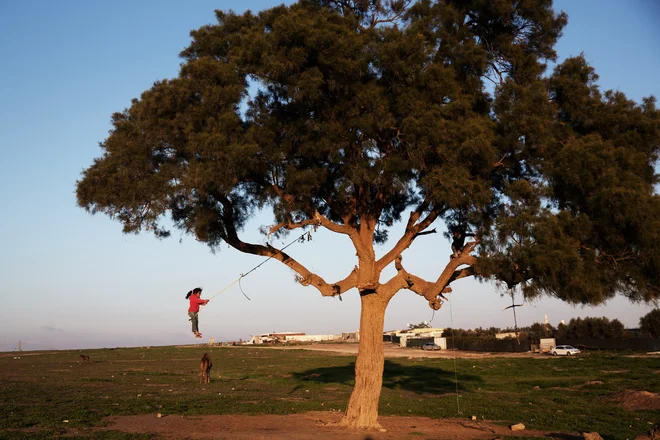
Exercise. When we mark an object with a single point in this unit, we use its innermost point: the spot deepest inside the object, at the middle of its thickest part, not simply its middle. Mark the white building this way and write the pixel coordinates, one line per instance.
(421, 333)
(283, 337)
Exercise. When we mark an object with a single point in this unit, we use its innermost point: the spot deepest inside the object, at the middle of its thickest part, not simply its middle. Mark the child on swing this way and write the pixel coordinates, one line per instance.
(193, 310)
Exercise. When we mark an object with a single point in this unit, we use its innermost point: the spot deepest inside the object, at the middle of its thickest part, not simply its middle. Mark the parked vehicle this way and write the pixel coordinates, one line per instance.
(564, 350)
(430, 346)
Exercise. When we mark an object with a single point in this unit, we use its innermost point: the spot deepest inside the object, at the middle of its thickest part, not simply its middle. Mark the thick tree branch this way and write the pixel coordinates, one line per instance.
(413, 230)
(338, 210)
(417, 213)
(305, 277)
(431, 290)
(292, 225)
(281, 194)
(318, 220)
(462, 273)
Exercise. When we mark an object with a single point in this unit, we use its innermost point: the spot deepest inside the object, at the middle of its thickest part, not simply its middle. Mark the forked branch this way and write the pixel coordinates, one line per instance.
(318, 220)
(304, 276)
(431, 290)
(413, 230)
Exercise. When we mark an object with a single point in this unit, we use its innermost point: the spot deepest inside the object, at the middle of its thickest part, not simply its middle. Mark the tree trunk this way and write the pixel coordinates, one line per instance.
(362, 410)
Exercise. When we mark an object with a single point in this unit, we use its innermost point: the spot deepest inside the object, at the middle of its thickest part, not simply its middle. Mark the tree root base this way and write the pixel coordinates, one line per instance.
(356, 425)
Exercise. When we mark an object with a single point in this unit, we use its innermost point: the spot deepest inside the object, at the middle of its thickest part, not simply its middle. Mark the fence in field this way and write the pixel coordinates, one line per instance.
(468, 344)
(636, 344)
(513, 346)
(487, 344)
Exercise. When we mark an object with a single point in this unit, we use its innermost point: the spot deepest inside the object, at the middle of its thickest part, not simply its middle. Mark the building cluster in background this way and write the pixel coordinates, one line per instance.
(589, 333)
(298, 337)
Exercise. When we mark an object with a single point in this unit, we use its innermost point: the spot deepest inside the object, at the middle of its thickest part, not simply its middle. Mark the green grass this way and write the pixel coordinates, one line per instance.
(50, 434)
(42, 390)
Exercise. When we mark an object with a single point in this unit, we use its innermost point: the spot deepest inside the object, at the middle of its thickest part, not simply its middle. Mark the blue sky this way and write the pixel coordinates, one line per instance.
(71, 280)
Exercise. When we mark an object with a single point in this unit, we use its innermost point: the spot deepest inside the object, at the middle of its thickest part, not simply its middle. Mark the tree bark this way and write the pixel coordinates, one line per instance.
(362, 410)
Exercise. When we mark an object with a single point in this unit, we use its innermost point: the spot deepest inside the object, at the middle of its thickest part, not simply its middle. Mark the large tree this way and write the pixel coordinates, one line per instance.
(352, 115)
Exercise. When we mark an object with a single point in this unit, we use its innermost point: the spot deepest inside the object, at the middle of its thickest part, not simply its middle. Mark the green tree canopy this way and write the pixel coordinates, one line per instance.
(649, 324)
(348, 114)
(591, 328)
(355, 124)
(539, 331)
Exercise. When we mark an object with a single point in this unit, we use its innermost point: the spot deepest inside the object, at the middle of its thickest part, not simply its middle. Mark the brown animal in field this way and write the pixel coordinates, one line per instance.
(205, 369)
(84, 358)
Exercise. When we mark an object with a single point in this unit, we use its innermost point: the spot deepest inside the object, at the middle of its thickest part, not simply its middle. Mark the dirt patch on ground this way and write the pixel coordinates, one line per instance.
(636, 400)
(654, 354)
(310, 425)
(143, 360)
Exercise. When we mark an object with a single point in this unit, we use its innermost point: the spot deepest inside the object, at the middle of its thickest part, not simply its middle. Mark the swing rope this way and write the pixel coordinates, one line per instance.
(241, 287)
(226, 287)
(451, 318)
(243, 275)
(453, 343)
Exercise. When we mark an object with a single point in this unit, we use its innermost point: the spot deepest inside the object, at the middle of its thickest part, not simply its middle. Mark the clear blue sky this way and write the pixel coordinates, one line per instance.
(70, 280)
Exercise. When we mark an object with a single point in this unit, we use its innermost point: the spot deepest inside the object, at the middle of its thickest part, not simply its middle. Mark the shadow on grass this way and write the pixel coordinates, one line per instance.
(417, 378)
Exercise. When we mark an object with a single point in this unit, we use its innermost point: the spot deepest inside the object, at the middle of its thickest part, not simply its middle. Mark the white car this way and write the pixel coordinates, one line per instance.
(564, 350)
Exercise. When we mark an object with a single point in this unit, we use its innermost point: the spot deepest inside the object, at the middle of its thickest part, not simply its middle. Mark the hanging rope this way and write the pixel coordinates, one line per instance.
(241, 287)
(243, 275)
(453, 343)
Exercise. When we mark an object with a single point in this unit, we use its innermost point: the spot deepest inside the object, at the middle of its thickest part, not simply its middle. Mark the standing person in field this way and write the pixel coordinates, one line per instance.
(193, 310)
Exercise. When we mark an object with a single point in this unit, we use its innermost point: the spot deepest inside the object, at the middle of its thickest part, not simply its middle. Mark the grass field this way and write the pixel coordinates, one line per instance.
(41, 390)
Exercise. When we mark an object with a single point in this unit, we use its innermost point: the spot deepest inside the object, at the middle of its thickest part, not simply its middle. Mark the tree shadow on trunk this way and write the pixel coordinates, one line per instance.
(416, 378)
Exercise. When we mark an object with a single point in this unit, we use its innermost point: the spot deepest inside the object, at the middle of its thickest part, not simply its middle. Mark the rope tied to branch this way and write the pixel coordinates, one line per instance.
(301, 238)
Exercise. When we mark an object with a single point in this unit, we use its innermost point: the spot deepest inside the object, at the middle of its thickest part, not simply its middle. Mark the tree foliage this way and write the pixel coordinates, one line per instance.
(534, 332)
(591, 328)
(366, 109)
(649, 324)
(540, 331)
(423, 324)
(472, 333)
(577, 328)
